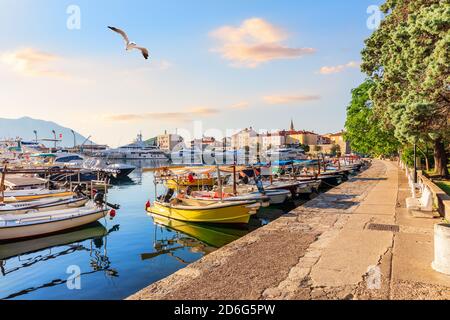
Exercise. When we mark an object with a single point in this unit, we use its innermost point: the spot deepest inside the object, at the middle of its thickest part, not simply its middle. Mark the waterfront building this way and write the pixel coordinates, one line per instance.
(167, 142)
(301, 137)
(246, 138)
(273, 140)
(338, 139)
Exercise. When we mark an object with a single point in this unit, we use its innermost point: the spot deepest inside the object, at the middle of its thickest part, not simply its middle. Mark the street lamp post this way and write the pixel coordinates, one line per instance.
(54, 136)
(415, 163)
(35, 135)
(74, 139)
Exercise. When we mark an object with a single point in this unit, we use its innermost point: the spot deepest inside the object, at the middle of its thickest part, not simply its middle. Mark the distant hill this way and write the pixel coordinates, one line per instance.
(24, 127)
(152, 142)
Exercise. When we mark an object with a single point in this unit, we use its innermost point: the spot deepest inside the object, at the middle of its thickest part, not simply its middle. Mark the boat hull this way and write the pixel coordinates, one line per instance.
(230, 213)
(21, 208)
(10, 198)
(278, 196)
(17, 232)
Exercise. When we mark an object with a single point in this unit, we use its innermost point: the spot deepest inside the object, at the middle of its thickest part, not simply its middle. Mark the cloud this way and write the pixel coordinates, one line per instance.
(33, 63)
(185, 116)
(338, 68)
(240, 105)
(278, 99)
(254, 42)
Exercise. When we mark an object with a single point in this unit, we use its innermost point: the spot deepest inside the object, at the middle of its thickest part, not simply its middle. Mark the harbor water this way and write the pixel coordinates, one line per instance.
(113, 259)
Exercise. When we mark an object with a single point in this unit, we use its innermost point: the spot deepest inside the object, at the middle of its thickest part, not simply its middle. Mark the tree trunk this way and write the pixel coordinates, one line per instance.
(440, 158)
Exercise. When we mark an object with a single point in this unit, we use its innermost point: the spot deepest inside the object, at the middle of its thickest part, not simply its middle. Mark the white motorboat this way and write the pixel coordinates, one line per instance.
(13, 227)
(264, 200)
(138, 150)
(277, 196)
(42, 205)
(114, 170)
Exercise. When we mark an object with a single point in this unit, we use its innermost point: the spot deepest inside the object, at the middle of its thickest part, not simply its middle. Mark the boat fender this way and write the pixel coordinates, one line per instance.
(148, 204)
(112, 213)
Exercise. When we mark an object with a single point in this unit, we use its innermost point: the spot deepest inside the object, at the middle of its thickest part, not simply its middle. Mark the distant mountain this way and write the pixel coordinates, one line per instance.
(24, 127)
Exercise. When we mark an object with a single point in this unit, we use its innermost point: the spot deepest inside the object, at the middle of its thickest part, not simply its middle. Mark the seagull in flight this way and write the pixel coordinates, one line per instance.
(130, 45)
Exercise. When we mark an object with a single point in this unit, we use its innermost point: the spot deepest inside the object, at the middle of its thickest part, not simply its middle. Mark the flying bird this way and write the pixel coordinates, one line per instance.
(130, 45)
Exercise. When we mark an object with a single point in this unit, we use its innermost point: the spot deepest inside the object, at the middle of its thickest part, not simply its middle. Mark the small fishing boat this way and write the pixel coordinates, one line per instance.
(296, 187)
(202, 211)
(42, 205)
(14, 227)
(278, 196)
(264, 200)
(34, 194)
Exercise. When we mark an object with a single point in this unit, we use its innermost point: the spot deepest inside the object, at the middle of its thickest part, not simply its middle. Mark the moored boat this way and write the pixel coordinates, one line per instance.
(34, 194)
(42, 205)
(13, 227)
(264, 200)
(202, 211)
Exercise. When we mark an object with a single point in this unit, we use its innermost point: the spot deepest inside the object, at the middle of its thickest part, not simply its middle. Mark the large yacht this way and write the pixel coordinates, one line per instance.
(138, 150)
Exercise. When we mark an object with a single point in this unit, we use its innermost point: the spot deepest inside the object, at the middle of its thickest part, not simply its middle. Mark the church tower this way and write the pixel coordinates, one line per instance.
(292, 125)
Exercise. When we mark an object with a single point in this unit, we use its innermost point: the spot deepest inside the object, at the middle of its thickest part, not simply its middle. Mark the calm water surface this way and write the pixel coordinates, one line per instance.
(116, 257)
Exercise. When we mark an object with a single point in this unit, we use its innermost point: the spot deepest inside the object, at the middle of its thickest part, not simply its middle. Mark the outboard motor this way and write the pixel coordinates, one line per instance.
(168, 196)
(78, 190)
(99, 198)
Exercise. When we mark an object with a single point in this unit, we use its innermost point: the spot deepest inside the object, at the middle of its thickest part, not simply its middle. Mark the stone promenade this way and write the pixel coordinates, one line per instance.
(356, 241)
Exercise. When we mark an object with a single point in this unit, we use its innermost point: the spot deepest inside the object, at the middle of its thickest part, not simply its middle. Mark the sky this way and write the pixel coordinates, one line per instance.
(215, 66)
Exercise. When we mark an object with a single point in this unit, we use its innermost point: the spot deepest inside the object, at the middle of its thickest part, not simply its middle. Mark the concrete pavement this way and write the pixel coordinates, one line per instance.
(326, 249)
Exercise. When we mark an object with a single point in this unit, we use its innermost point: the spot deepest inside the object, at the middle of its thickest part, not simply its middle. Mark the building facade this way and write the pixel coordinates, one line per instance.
(245, 138)
(167, 142)
(302, 137)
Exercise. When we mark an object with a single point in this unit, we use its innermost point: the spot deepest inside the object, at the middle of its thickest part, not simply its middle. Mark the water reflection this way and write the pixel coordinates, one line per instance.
(212, 235)
(114, 263)
(92, 240)
(171, 236)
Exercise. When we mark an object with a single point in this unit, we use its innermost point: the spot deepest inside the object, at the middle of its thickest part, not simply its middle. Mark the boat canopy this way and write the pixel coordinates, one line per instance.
(44, 155)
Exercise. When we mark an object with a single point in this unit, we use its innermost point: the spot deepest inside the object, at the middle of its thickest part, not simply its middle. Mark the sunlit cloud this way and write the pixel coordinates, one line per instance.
(289, 99)
(255, 42)
(182, 116)
(33, 63)
(240, 105)
(339, 68)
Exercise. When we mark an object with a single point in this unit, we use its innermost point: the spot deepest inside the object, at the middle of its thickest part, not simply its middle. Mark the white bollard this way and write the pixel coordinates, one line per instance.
(441, 261)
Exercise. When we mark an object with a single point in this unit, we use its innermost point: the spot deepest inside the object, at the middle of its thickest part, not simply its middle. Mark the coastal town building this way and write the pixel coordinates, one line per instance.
(244, 139)
(338, 139)
(301, 137)
(167, 142)
(273, 140)
(203, 143)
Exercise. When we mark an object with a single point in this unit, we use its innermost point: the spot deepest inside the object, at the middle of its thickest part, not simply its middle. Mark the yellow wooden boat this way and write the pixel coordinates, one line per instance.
(191, 210)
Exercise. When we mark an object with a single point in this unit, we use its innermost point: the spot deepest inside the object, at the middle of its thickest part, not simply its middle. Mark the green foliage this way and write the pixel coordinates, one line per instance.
(408, 59)
(305, 147)
(364, 130)
(335, 150)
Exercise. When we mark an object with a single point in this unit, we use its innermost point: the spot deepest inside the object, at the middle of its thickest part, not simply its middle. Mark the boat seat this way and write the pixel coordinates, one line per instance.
(424, 203)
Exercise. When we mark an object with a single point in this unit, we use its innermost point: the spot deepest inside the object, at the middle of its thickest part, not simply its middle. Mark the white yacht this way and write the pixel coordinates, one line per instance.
(286, 154)
(137, 150)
